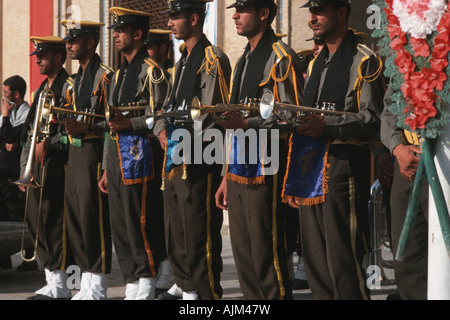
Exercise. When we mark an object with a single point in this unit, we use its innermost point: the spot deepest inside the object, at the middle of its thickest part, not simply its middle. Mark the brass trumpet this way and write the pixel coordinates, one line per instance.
(268, 106)
(89, 118)
(41, 130)
(246, 109)
(131, 111)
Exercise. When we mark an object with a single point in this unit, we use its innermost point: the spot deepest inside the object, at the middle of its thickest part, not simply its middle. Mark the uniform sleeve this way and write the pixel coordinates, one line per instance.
(391, 134)
(160, 125)
(366, 122)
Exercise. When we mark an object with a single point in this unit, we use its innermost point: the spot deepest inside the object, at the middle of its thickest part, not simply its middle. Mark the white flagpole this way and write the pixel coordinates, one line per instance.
(438, 258)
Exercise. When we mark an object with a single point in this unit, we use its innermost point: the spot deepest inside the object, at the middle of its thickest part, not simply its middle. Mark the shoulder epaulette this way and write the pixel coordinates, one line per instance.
(152, 63)
(368, 54)
(213, 60)
(71, 81)
(108, 69)
(279, 50)
(211, 56)
(311, 65)
(366, 51)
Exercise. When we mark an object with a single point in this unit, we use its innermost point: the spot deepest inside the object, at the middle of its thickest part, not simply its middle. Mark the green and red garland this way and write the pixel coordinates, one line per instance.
(415, 40)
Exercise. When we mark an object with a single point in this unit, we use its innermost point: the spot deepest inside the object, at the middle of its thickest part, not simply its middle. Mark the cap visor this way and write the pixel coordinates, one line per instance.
(67, 38)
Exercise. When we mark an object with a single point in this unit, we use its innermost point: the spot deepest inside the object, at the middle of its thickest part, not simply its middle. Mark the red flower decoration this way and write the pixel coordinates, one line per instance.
(420, 85)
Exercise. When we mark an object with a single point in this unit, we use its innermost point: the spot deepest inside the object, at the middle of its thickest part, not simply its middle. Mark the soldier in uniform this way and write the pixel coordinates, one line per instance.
(49, 171)
(86, 207)
(334, 229)
(410, 273)
(133, 158)
(159, 46)
(193, 223)
(253, 196)
(158, 43)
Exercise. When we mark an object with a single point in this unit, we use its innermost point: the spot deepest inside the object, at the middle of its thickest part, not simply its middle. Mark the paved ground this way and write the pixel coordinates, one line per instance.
(20, 286)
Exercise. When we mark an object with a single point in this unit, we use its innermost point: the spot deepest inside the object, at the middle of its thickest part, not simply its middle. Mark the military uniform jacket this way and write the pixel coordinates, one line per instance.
(96, 96)
(151, 91)
(54, 141)
(364, 97)
(283, 70)
(210, 85)
(391, 133)
(98, 92)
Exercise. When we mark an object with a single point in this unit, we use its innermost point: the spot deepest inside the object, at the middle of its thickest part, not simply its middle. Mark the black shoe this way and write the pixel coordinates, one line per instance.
(394, 296)
(27, 266)
(6, 263)
(167, 296)
(161, 290)
(41, 297)
(300, 285)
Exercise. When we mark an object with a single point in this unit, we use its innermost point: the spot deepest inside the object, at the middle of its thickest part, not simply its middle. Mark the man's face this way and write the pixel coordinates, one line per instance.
(179, 24)
(318, 46)
(123, 38)
(77, 48)
(8, 94)
(324, 21)
(46, 62)
(246, 21)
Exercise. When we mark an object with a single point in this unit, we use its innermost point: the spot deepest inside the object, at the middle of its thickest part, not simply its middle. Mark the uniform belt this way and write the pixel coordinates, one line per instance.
(411, 137)
(355, 142)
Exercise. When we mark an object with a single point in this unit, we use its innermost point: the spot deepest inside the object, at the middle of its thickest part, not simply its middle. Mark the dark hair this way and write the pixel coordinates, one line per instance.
(16, 83)
(143, 27)
(63, 53)
(95, 36)
(337, 6)
(271, 5)
(200, 12)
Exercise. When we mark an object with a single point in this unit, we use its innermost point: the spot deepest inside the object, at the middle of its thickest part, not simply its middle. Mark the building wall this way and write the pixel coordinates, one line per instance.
(15, 27)
(15, 44)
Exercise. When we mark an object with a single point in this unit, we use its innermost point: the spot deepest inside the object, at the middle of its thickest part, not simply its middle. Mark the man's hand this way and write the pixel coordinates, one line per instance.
(221, 195)
(293, 203)
(119, 122)
(163, 139)
(233, 121)
(41, 152)
(407, 160)
(6, 108)
(385, 166)
(75, 128)
(22, 188)
(103, 183)
(313, 125)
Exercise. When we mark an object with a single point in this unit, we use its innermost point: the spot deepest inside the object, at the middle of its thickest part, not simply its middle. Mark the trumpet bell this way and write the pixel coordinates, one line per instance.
(266, 105)
(196, 109)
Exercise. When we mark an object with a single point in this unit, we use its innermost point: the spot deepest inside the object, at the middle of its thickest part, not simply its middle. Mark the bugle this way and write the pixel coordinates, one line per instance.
(41, 130)
(132, 110)
(268, 106)
(88, 118)
(245, 109)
